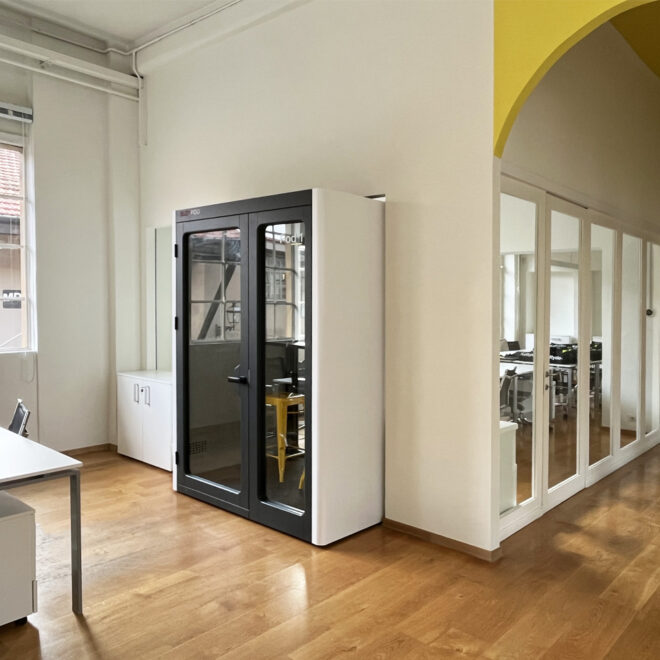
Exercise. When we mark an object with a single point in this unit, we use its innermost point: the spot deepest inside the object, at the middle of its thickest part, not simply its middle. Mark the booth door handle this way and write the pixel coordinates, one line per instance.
(242, 380)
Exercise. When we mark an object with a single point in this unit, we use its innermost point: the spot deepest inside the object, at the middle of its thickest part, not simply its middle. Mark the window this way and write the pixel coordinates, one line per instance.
(14, 330)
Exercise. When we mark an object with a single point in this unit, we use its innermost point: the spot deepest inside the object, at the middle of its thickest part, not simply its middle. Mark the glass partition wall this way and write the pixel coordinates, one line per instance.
(652, 344)
(579, 363)
(563, 347)
(518, 331)
(600, 349)
(631, 291)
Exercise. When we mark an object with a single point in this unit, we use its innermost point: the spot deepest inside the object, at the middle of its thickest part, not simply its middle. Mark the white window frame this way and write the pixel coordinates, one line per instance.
(28, 299)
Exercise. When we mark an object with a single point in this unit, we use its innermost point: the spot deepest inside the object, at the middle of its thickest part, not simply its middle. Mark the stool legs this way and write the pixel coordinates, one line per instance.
(281, 438)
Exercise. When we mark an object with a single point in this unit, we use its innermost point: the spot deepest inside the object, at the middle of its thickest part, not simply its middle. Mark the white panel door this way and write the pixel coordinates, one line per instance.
(129, 417)
(157, 424)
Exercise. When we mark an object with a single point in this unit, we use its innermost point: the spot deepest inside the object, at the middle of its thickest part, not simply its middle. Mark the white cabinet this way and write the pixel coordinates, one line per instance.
(18, 583)
(144, 416)
(508, 467)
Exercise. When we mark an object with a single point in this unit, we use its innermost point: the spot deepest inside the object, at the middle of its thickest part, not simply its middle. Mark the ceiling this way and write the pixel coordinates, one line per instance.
(130, 23)
(127, 22)
(640, 27)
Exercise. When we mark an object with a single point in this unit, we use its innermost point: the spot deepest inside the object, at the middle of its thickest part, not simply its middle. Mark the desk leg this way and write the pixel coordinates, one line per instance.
(514, 409)
(76, 563)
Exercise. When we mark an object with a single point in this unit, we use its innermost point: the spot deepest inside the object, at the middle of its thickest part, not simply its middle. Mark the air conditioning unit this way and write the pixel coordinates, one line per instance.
(16, 112)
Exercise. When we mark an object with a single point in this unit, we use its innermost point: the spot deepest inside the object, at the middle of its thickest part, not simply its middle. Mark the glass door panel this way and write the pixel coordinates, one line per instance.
(631, 289)
(563, 354)
(216, 359)
(285, 393)
(652, 409)
(600, 363)
(518, 281)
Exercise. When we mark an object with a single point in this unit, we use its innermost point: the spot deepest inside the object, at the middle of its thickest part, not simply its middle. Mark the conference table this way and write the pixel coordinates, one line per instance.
(23, 462)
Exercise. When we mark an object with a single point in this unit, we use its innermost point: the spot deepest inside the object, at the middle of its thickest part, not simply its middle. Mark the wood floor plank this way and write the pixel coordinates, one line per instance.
(641, 638)
(592, 632)
(167, 576)
(639, 580)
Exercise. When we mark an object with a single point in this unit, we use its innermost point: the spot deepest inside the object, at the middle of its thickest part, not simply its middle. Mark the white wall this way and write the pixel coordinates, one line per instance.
(592, 126)
(396, 101)
(88, 284)
(72, 263)
(124, 244)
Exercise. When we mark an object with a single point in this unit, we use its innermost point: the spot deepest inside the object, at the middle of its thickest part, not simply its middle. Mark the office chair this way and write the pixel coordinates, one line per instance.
(506, 410)
(20, 419)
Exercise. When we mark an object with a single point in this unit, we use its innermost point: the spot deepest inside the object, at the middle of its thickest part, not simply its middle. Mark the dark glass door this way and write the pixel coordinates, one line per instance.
(244, 365)
(213, 355)
(280, 401)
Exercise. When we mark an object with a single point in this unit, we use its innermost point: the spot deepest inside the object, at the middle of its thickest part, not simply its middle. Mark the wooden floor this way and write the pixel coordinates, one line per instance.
(166, 576)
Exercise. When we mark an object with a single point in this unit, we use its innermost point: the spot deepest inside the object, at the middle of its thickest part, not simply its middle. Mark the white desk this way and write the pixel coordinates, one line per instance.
(522, 368)
(23, 462)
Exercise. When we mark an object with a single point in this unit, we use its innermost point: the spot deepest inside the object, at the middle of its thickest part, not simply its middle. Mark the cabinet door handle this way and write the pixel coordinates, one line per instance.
(136, 393)
(147, 395)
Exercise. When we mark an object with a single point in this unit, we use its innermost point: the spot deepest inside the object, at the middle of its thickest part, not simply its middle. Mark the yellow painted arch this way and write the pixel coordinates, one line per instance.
(530, 36)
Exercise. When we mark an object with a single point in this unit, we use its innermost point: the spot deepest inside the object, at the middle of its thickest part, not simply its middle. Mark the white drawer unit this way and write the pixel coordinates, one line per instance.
(144, 416)
(508, 466)
(18, 580)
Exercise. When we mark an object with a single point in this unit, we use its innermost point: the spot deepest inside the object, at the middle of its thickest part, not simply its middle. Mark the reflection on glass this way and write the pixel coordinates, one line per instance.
(652, 421)
(284, 367)
(630, 337)
(564, 305)
(13, 307)
(600, 367)
(517, 332)
(214, 444)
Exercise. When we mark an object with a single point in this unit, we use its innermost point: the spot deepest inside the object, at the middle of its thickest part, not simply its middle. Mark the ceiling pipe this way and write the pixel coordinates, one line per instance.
(59, 76)
(47, 58)
(53, 58)
(137, 49)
